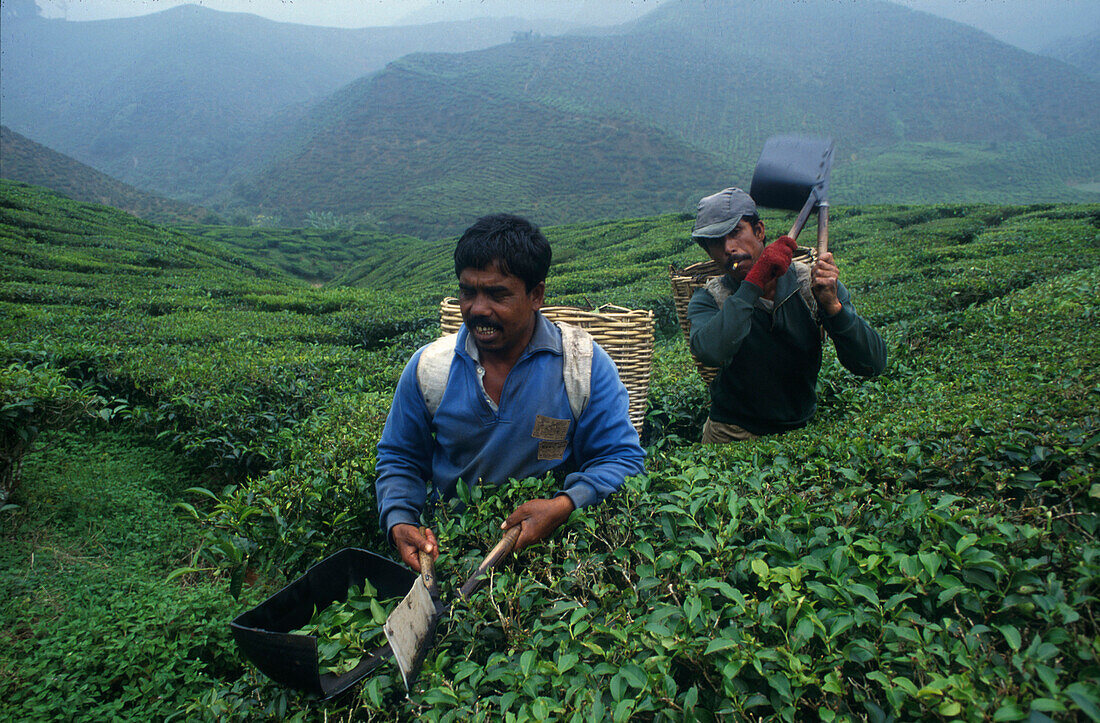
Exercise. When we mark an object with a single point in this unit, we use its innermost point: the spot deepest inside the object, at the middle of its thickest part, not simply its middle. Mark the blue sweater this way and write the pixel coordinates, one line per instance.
(468, 440)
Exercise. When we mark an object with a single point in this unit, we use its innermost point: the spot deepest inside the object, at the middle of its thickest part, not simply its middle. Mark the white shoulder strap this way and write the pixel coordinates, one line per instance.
(433, 370)
(577, 350)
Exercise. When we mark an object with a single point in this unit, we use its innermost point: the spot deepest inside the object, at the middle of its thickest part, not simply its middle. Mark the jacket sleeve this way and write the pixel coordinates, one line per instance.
(605, 442)
(859, 348)
(717, 333)
(404, 454)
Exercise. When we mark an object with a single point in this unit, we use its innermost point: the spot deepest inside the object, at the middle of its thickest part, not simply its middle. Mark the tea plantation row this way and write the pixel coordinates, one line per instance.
(926, 548)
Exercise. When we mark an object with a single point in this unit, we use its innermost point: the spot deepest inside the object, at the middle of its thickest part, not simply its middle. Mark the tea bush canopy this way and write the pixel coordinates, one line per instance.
(925, 549)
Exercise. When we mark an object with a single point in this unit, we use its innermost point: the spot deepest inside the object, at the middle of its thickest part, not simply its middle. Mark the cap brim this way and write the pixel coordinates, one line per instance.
(717, 230)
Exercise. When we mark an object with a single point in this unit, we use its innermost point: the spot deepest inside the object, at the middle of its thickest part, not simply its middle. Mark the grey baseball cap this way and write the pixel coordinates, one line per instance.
(720, 213)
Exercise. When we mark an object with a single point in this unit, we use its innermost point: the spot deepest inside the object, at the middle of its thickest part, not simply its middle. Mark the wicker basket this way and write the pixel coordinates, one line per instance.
(686, 280)
(625, 334)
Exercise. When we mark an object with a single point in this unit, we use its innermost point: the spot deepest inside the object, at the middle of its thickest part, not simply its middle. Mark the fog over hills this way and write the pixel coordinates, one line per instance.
(949, 109)
(21, 159)
(179, 101)
(1080, 51)
(250, 116)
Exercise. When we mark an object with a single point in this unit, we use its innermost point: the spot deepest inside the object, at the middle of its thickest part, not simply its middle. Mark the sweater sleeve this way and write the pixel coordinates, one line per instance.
(605, 442)
(859, 348)
(717, 333)
(404, 454)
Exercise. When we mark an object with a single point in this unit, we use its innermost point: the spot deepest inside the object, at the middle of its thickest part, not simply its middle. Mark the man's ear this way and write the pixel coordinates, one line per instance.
(758, 229)
(537, 294)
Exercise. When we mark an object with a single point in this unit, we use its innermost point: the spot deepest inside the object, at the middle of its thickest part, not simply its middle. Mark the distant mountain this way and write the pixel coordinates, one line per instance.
(679, 102)
(1082, 51)
(425, 155)
(179, 101)
(21, 159)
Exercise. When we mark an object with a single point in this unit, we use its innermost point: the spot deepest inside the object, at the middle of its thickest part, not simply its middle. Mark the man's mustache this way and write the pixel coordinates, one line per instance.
(482, 321)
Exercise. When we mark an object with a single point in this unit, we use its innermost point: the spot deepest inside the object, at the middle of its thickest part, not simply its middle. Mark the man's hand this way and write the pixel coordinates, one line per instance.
(409, 542)
(538, 519)
(823, 280)
(773, 262)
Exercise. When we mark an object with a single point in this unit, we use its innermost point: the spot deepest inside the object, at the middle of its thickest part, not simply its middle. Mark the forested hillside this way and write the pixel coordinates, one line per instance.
(425, 155)
(21, 159)
(1081, 51)
(582, 128)
(926, 549)
(178, 102)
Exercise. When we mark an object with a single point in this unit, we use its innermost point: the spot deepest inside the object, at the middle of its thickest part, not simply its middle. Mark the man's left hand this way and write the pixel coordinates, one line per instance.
(823, 281)
(538, 519)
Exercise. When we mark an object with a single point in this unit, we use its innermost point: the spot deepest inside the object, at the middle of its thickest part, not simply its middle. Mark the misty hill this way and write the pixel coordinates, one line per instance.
(21, 159)
(1081, 51)
(178, 101)
(922, 109)
(424, 155)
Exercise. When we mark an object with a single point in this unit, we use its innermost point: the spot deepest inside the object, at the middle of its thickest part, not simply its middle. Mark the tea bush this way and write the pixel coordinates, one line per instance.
(88, 628)
(34, 397)
(925, 549)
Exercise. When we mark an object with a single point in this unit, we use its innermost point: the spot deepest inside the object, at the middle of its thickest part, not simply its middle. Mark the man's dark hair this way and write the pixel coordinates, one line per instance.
(752, 218)
(514, 243)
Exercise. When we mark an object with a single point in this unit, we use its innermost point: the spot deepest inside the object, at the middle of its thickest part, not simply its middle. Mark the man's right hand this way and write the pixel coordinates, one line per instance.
(773, 262)
(409, 542)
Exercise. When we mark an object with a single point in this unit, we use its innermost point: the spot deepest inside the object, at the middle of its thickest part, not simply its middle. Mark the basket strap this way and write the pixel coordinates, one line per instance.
(433, 370)
(717, 290)
(804, 290)
(577, 348)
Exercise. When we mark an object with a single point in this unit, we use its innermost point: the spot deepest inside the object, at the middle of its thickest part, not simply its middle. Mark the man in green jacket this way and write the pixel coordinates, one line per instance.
(762, 324)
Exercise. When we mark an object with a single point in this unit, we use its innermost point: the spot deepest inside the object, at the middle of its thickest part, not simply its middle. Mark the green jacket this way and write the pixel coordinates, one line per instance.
(768, 361)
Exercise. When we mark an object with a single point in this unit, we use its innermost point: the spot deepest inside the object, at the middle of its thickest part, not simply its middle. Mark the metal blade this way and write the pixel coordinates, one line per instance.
(792, 169)
(410, 628)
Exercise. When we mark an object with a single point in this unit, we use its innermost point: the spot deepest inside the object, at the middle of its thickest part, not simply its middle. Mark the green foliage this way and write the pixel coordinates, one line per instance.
(318, 500)
(925, 549)
(211, 350)
(315, 254)
(347, 631)
(85, 614)
(34, 397)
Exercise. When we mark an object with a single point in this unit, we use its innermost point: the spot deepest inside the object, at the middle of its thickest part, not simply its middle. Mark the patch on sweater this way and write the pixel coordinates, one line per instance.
(550, 428)
(552, 448)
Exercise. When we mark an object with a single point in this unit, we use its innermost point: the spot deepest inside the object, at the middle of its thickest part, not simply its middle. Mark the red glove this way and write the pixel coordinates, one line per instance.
(773, 263)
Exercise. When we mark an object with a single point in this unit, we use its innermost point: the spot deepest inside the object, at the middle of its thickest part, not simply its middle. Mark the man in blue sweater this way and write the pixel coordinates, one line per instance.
(494, 402)
(762, 324)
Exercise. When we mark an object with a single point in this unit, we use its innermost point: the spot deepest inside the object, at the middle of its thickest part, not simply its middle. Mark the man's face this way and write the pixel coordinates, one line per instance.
(741, 247)
(498, 310)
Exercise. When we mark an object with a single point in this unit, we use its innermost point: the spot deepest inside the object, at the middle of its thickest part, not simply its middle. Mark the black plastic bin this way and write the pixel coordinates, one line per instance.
(263, 633)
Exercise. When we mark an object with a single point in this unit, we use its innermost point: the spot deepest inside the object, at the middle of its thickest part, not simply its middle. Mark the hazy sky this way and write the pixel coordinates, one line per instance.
(364, 13)
(1029, 24)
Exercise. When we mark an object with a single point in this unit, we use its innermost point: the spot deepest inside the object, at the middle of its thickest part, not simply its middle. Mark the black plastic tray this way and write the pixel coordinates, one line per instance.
(263, 633)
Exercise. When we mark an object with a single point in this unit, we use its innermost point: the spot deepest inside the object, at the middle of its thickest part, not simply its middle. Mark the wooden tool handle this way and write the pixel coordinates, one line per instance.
(822, 228)
(427, 568)
(491, 560)
(802, 216)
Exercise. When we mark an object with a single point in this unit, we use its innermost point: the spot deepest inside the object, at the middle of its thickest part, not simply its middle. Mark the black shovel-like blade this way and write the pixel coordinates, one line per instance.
(791, 169)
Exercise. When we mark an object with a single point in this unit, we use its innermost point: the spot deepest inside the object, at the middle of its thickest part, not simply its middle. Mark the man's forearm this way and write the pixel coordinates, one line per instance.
(859, 348)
